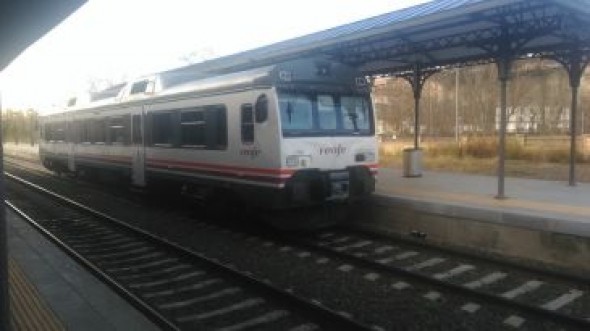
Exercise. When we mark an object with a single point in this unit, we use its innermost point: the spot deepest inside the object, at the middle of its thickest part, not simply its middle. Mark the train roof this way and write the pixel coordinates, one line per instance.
(110, 92)
(297, 74)
(288, 74)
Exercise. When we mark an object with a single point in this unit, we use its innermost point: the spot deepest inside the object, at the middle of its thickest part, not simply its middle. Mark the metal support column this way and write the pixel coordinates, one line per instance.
(417, 80)
(4, 296)
(504, 67)
(413, 156)
(417, 89)
(574, 62)
(573, 132)
(456, 105)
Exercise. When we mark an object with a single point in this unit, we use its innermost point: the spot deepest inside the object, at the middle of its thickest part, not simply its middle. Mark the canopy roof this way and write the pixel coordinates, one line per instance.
(23, 22)
(434, 34)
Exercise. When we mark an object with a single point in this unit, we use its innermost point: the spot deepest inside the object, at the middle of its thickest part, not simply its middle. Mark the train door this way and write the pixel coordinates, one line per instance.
(138, 147)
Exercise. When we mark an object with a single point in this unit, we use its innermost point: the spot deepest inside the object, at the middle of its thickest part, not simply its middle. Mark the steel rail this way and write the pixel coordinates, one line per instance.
(148, 311)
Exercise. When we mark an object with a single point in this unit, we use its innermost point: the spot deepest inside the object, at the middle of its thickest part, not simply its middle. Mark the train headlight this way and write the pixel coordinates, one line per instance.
(294, 161)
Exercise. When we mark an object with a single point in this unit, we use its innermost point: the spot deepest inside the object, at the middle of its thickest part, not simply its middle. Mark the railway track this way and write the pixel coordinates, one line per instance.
(562, 300)
(416, 281)
(177, 288)
(554, 300)
(545, 298)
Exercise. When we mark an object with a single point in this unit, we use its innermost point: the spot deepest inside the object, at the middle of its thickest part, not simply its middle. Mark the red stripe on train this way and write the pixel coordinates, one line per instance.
(221, 168)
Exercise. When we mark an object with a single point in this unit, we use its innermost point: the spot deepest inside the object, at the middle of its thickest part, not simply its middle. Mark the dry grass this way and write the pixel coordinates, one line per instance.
(516, 149)
(539, 160)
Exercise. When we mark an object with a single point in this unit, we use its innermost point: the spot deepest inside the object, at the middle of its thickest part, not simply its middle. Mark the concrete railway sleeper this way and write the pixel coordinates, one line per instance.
(559, 298)
(564, 301)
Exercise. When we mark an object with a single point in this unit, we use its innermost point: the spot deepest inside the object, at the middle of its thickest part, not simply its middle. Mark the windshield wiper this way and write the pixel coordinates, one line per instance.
(353, 118)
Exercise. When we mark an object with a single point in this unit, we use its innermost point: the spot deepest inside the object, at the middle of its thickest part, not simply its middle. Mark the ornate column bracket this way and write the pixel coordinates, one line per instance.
(417, 78)
(574, 61)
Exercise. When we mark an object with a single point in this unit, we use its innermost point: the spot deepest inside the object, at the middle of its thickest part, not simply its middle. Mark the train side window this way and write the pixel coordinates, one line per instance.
(127, 130)
(261, 108)
(217, 127)
(76, 131)
(247, 123)
(69, 132)
(51, 132)
(136, 127)
(47, 132)
(82, 132)
(162, 129)
(98, 131)
(192, 129)
(60, 133)
(117, 130)
(85, 131)
(92, 131)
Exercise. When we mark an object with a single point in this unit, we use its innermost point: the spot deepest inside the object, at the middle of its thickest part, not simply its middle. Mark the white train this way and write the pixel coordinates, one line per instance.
(291, 134)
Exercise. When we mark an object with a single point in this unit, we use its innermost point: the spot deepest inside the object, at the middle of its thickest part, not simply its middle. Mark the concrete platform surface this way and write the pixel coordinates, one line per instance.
(50, 291)
(536, 204)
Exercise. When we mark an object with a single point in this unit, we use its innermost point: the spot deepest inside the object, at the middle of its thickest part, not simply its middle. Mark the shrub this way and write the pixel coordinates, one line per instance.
(443, 149)
(480, 147)
(515, 150)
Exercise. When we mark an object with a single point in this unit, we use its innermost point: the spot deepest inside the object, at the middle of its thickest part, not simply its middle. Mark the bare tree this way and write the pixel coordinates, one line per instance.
(539, 98)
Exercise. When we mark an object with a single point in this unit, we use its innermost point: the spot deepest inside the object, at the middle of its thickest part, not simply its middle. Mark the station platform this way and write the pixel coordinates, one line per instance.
(551, 205)
(50, 291)
(539, 221)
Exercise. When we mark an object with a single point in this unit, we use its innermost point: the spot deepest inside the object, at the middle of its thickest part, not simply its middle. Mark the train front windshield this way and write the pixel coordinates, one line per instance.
(306, 114)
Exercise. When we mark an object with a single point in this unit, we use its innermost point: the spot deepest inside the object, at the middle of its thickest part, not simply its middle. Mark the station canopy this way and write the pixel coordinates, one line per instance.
(23, 22)
(434, 34)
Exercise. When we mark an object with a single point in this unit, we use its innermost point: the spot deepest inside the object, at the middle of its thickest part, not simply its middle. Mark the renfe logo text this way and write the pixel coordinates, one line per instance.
(336, 150)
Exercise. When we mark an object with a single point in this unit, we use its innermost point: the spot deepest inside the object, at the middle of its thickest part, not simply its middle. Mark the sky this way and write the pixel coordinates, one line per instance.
(108, 41)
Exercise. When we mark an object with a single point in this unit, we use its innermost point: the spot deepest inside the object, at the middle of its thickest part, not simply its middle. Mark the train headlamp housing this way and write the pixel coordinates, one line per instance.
(298, 161)
(366, 156)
